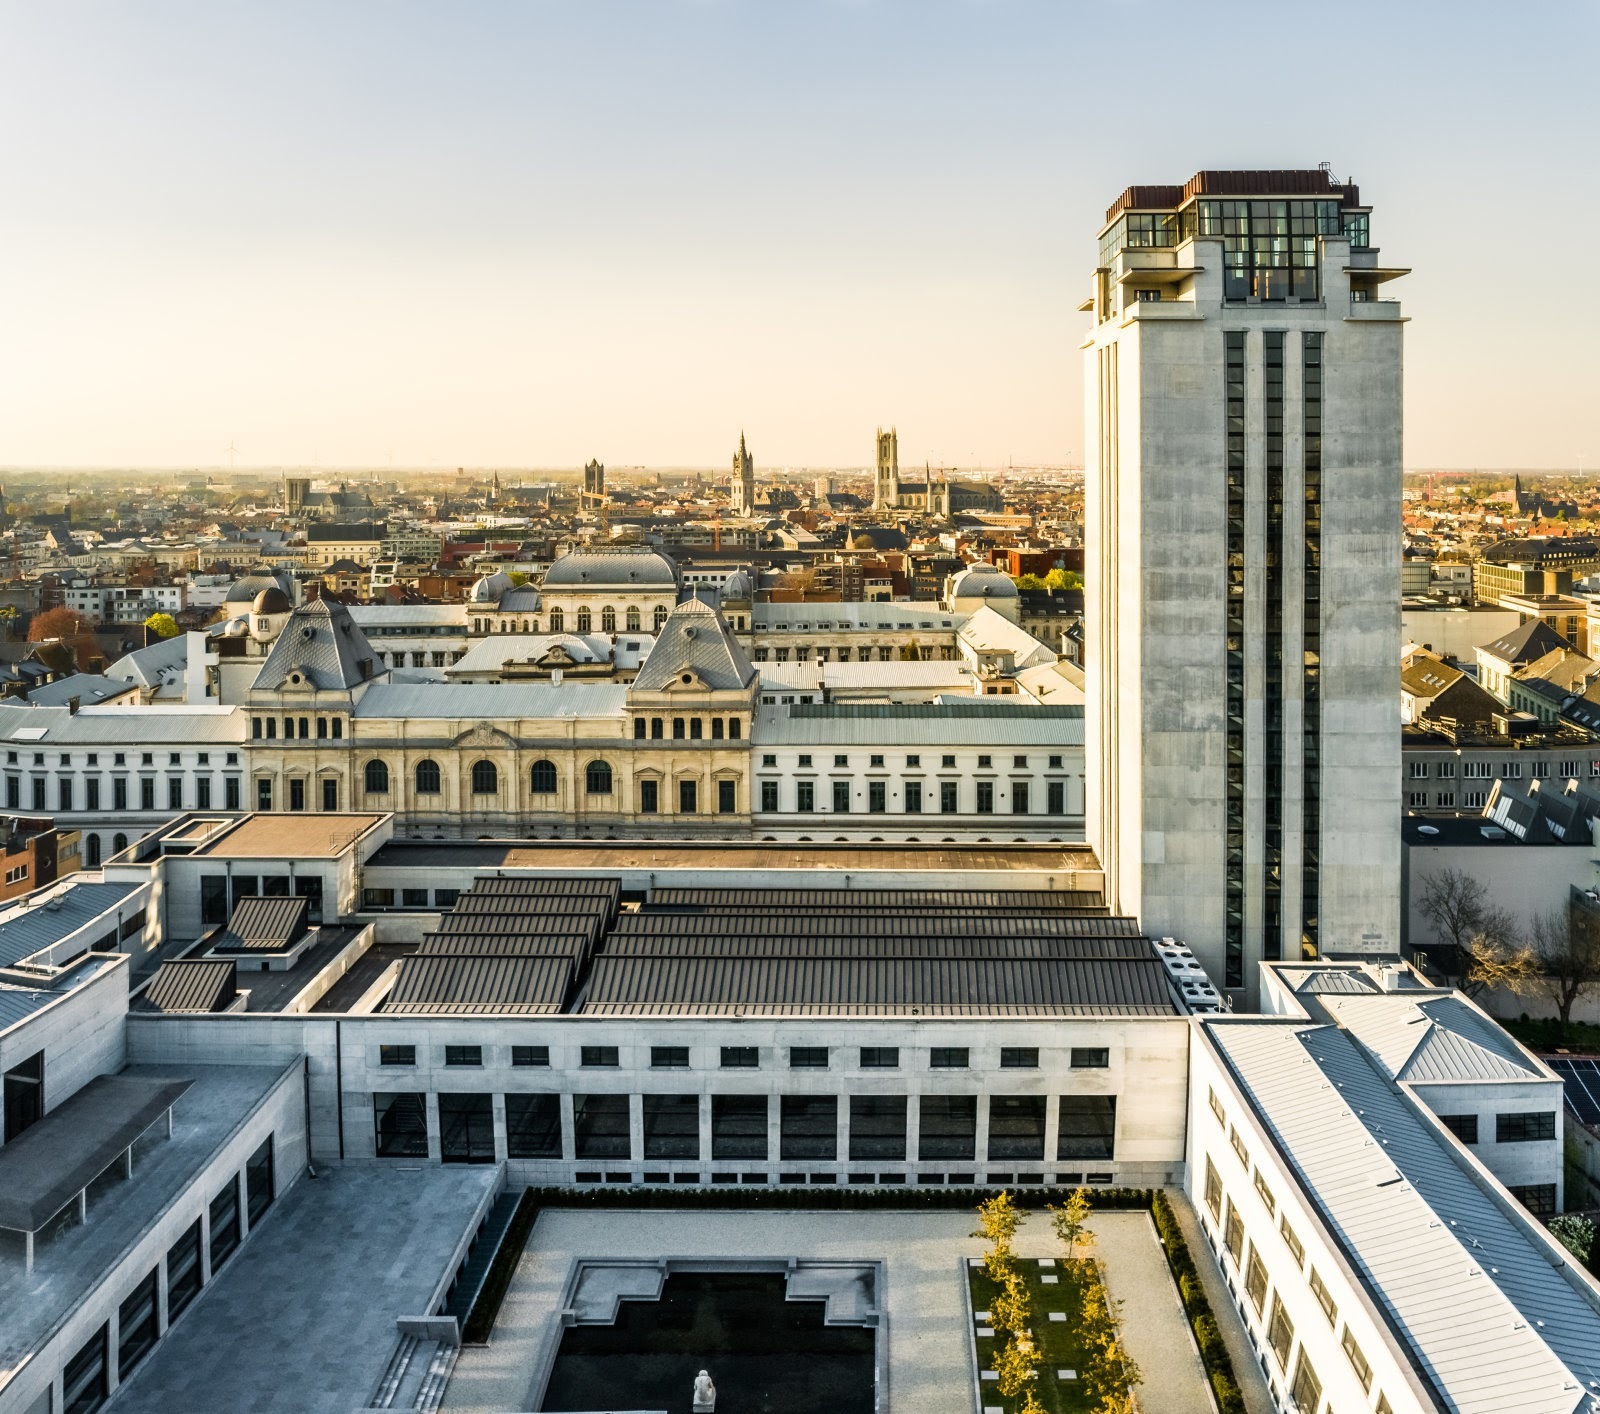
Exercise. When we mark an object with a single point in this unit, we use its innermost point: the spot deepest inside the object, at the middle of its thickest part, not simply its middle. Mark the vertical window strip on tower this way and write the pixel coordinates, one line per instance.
(1272, 886)
(1233, 834)
(1311, 793)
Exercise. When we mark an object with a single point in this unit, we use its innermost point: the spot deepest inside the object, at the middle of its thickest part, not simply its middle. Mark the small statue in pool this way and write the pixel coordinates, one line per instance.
(705, 1394)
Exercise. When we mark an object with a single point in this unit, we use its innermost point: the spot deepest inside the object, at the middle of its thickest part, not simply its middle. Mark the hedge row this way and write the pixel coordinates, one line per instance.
(1213, 1351)
(481, 1318)
(824, 1197)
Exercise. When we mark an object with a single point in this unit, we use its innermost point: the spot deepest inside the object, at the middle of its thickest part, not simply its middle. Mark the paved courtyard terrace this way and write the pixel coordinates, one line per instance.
(924, 1255)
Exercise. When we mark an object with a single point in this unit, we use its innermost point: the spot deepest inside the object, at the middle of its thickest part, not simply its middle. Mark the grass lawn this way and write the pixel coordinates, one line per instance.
(1060, 1342)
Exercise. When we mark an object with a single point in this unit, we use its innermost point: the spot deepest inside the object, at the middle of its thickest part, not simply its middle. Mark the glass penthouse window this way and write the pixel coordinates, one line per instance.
(1269, 248)
(1140, 230)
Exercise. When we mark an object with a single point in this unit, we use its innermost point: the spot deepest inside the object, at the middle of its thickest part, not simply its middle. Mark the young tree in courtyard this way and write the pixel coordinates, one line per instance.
(1011, 1308)
(1016, 1364)
(1111, 1374)
(1071, 1222)
(998, 1221)
(162, 625)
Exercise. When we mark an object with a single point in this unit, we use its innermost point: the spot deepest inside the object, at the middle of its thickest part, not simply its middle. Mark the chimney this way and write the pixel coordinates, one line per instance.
(72, 706)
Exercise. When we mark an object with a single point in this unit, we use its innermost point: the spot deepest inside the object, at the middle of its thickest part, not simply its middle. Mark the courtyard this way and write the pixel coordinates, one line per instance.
(928, 1341)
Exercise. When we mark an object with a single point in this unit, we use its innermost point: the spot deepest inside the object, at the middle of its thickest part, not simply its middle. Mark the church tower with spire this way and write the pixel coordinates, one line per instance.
(742, 486)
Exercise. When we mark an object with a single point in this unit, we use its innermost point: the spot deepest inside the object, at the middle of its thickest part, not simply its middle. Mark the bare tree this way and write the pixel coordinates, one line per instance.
(1455, 903)
(1566, 946)
(1495, 956)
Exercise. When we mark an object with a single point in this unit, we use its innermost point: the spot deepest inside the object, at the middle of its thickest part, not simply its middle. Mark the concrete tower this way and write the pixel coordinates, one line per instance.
(886, 481)
(742, 487)
(1243, 511)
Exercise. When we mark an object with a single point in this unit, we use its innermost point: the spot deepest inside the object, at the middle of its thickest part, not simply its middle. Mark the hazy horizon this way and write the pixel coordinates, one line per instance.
(510, 235)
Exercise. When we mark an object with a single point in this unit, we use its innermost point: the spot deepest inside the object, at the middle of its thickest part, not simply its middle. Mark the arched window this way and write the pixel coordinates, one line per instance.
(118, 843)
(377, 778)
(524, 625)
(598, 778)
(661, 616)
(543, 779)
(634, 620)
(585, 619)
(427, 778)
(91, 851)
(485, 779)
(558, 621)
(608, 620)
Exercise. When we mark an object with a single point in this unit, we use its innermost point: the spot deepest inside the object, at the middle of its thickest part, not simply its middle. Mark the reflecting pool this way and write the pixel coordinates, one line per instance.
(767, 1355)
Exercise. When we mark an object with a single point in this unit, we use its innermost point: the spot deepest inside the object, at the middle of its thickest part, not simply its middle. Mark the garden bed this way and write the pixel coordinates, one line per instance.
(1062, 1344)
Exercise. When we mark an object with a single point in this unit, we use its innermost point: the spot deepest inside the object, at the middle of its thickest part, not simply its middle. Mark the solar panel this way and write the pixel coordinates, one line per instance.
(1581, 1078)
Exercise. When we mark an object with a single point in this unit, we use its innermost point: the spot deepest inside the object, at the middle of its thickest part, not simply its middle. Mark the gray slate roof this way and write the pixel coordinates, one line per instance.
(696, 639)
(116, 725)
(492, 701)
(1525, 643)
(324, 645)
(619, 566)
(88, 688)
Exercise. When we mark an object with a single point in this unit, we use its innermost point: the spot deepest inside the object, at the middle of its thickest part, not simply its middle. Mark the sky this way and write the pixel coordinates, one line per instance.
(526, 234)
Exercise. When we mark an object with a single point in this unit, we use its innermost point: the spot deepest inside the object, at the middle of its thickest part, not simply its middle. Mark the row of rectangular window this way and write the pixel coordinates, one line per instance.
(808, 1127)
(120, 758)
(686, 729)
(749, 1057)
(1420, 770)
(805, 798)
(841, 761)
(1518, 1128)
(66, 793)
(86, 1382)
(1304, 1384)
(297, 728)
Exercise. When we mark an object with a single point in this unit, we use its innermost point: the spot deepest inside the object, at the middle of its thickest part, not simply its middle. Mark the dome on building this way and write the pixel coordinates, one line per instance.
(737, 588)
(879, 537)
(615, 567)
(272, 601)
(982, 582)
(244, 591)
(236, 628)
(491, 588)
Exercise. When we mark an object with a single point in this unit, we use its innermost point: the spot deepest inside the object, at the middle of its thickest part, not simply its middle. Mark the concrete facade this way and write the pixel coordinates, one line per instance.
(1198, 721)
(1145, 1067)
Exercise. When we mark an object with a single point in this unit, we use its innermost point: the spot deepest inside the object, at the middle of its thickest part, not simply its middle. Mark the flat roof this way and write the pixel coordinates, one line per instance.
(303, 1316)
(290, 836)
(854, 855)
(68, 1265)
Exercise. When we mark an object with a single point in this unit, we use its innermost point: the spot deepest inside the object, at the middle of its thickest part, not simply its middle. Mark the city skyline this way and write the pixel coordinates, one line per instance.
(501, 236)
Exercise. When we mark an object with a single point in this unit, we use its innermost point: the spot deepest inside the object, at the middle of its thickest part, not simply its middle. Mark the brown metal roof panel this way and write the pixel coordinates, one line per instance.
(266, 924)
(189, 985)
(444, 983)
